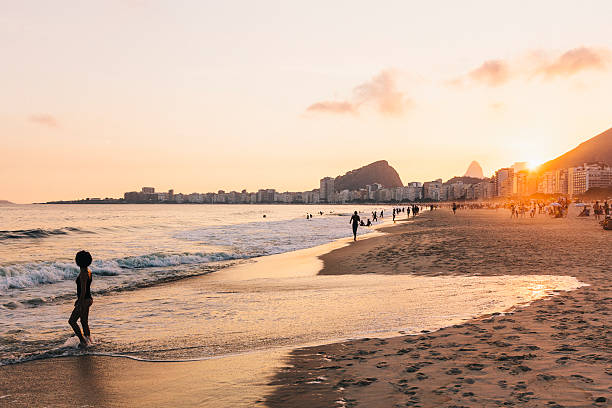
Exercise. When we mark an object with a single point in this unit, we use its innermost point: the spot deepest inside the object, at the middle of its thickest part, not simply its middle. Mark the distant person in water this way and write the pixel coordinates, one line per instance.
(369, 223)
(355, 221)
(454, 208)
(84, 299)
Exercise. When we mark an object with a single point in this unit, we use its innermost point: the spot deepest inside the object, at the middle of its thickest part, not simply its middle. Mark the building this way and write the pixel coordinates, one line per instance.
(504, 182)
(327, 189)
(522, 183)
(148, 190)
(431, 190)
(582, 178)
(561, 181)
(266, 195)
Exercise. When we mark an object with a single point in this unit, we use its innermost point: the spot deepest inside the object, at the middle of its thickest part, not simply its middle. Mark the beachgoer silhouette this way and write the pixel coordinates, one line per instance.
(355, 221)
(454, 208)
(84, 299)
(369, 223)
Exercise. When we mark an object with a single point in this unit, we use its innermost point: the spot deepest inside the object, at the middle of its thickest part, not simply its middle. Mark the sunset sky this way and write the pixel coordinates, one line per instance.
(99, 98)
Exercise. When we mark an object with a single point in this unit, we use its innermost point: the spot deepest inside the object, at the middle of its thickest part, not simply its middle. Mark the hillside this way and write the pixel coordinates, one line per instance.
(465, 180)
(377, 172)
(5, 202)
(596, 149)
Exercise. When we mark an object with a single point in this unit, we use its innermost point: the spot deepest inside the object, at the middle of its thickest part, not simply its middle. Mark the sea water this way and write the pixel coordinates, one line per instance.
(138, 246)
(163, 291)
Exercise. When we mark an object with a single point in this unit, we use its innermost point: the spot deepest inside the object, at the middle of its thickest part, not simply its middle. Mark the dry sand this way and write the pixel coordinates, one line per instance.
(553, 353)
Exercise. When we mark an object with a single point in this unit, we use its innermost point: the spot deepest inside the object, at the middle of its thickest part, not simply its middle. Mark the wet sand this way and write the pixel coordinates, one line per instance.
(553, 353)
(554, 350)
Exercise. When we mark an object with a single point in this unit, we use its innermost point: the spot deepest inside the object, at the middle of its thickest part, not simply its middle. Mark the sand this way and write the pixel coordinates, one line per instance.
(553, 353)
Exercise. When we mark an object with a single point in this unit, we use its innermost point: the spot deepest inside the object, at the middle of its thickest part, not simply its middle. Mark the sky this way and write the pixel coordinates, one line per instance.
(99, 98)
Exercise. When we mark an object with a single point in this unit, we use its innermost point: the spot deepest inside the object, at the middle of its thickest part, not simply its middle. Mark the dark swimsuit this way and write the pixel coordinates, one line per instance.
(87, 290)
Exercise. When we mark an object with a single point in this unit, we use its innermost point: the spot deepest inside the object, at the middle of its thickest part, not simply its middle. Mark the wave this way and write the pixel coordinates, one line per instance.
(255, 239)
(28, 275)
(37, 233)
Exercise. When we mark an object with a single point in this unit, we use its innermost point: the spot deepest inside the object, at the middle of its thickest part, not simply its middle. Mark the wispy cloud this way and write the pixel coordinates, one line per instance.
(332, 107)
(492, 73)
(44, 120)
(380, 92)
(578, 59)
(546, 66)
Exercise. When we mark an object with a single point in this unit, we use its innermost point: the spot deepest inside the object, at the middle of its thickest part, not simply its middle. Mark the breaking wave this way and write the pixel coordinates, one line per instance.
(28, 275)
(37, 233)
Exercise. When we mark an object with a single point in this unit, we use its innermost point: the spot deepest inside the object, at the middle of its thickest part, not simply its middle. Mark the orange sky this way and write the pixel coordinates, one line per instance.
(102, 98)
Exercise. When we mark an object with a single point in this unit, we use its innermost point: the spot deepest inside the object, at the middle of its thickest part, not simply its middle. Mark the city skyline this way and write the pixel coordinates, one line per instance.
(518, 181)
(102, 97)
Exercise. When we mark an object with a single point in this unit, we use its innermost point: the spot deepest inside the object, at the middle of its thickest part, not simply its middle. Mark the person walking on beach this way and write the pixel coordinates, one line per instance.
(84, 299)
(597, 210)
(355, 221)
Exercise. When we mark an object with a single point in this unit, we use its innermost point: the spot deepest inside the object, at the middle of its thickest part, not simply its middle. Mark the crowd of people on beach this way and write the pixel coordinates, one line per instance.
(553, 208)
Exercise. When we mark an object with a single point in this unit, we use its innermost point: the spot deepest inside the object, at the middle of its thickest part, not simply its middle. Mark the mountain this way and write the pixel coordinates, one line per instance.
(474, 170)
(465, 180)
(377, 172)
(5, 202)
(596, 149)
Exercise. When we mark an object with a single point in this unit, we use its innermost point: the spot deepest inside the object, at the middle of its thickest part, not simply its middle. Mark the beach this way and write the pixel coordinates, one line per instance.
(432, 272)
(553, 353)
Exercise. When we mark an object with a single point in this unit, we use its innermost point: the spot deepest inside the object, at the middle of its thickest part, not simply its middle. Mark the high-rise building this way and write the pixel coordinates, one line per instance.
(505, 182)
(561, 181)
(522, 183)
(327, 189)
(431, 190)
(582, 178)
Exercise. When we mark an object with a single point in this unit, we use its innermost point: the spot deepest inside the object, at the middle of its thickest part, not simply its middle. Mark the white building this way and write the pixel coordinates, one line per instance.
(581, 179)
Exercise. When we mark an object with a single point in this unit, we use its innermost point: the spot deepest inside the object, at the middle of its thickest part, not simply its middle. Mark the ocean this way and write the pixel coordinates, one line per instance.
(164, 290)
(138, 246)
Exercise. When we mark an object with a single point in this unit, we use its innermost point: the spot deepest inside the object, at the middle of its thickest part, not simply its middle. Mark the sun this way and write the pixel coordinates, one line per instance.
(533, 165)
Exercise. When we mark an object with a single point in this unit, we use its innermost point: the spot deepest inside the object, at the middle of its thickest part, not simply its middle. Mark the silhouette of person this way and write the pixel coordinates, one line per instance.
(84, 299)
(355, 221)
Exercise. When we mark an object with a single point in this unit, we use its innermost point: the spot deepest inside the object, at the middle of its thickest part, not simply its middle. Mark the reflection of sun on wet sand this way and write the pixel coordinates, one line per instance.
(553, 353)
(488, 357)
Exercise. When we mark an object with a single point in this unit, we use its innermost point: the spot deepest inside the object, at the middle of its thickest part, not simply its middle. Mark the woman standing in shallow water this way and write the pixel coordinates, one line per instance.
(84, 299)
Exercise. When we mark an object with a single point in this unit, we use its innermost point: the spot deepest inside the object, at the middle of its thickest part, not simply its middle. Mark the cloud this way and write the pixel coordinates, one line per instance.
(332, 107)
(380, 93)
(491, 73)
(44, 120)
(547, 66)
(578, 59)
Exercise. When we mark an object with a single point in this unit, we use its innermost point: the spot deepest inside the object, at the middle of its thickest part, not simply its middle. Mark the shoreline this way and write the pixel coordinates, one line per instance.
(275, 358)
(554, 352)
